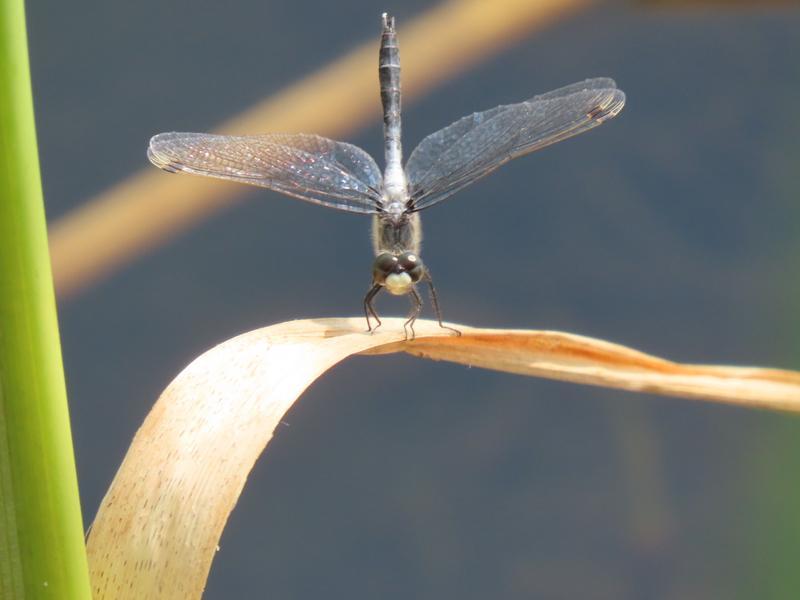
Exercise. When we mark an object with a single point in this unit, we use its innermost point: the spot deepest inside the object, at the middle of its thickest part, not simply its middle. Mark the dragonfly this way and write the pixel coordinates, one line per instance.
(344, 177)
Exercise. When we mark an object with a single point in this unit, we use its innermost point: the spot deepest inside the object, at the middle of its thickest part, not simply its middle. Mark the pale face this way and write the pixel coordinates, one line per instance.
(398, 284)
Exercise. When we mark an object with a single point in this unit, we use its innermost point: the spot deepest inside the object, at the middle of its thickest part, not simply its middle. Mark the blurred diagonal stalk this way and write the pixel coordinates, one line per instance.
(41, 532)
(149, 207)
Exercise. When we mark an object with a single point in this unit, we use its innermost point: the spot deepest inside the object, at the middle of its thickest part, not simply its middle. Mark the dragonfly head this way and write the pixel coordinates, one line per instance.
(397, 272)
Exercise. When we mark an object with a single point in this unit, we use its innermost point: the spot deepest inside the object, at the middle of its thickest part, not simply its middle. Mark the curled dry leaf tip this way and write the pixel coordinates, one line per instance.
(158, 527)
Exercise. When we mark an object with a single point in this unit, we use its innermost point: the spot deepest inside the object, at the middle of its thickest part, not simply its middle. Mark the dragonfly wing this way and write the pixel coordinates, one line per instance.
(475, 145)
(309, 167)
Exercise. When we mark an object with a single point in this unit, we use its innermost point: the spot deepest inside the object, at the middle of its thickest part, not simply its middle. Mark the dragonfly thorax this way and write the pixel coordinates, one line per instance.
(396, 233)
(395, 211)
(397, 272)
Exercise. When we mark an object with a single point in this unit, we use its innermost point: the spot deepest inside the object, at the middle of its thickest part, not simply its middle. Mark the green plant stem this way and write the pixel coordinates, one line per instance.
(42, 553)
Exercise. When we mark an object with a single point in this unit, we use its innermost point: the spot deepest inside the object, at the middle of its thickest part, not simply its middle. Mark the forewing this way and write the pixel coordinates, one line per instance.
(308, 167)
(474, 146)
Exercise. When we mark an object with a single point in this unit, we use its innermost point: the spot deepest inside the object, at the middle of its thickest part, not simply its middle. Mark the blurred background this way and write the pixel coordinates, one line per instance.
(672, 229)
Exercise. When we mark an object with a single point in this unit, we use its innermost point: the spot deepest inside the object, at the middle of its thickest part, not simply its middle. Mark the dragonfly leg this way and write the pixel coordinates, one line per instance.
(369, 309)
(435, 302)
(416, 308)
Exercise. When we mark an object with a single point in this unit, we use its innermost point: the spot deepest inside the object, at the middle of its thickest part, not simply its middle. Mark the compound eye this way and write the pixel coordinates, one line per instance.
(384, 264)
(409, 260)
(416, 273)
(411, 264)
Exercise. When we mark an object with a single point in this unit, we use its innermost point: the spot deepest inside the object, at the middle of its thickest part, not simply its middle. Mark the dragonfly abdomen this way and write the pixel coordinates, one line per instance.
(389, 74)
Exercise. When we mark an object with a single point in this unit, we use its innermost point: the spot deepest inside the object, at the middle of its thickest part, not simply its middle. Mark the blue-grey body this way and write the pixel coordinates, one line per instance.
(344, 177)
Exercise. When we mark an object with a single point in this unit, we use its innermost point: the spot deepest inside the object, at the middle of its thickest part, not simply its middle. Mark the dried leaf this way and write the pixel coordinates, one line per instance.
(157, 529)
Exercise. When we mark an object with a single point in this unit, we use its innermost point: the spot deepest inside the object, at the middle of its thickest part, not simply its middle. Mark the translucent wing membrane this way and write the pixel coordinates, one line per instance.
(474, 146)
(308, 167)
